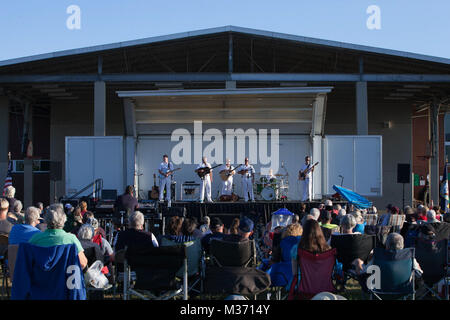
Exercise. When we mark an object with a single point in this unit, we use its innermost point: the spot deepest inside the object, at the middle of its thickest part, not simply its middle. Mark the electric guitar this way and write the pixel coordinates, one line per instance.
(302, 174)
(155, 189)
(202, 172)
(172, 171)
(227, 173)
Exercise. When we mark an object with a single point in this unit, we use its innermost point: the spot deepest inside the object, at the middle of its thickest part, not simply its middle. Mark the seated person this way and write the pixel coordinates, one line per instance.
(245, 230)
(74, 221)
(326, 225)
(360, 223)
(5, 225)
(204, 228)
(348, 224)
(216, 228)
(312, 240)
(85, 235)
(135, 235)
(173, 228)
(394, 242)
(15, 215)
(23, 232)
(187, 231)
(104, 245)
(55, 235)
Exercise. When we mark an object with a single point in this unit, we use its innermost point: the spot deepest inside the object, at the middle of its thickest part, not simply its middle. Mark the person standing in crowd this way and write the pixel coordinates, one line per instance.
(206, 181)
(83, 206)
(248, 179)
(165, 179)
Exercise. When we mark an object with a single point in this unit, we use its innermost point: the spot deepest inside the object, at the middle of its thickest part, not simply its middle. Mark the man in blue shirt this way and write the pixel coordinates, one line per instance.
(23, 232)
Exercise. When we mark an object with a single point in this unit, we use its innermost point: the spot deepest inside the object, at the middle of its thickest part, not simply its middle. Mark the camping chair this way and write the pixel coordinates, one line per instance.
(315, 273)
(396, 274)
(281, 272)
(4, 264)
(156, 270)
(233, 254)
(432, 257)
(12, 255)
(232, 269)
(195, 261)
(60, 279)
(92, 292)
(352, 246)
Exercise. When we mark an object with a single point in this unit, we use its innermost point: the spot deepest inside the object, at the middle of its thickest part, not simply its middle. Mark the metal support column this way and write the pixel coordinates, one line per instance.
(434, 172)
(4, 136)
(362, 125)
(99, 108)
(28, 162)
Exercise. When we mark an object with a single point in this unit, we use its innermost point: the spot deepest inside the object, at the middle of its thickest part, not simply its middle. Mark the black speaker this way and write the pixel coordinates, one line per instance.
(55, 170)
(403, 173)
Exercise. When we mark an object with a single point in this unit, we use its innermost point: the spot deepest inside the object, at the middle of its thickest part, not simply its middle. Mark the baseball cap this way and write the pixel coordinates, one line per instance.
(216, 222)
(246, 225)
(68, 206)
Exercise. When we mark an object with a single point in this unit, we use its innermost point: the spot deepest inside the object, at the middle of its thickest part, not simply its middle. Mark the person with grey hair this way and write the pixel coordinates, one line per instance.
(21, 233)
(360, 223)
(15, 215)
(348, 223)
(394, 242)
(135, 234)
(100, 239)
(85, 235)
(5, 225)
(10, 193)
(54, 235)
(341, 214)
(315, 213)
(431, 216)
(204, 228)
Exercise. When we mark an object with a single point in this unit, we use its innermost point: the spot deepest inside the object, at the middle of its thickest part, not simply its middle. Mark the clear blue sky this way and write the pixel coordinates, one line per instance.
(39, 26)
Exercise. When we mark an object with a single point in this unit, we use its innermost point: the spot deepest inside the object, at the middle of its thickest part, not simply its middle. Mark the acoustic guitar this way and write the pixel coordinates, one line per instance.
(154, 195)
(227, 173)
(204, 171)
(302, 174)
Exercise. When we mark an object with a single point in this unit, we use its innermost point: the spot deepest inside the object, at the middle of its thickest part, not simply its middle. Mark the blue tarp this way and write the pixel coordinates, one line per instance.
(352, 197)
(283, 211)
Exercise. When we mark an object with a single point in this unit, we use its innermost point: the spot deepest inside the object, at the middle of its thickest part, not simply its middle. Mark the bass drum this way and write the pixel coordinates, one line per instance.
(268, 193)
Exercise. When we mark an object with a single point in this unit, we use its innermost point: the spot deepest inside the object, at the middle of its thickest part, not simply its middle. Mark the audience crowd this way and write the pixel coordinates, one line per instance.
(310, 231)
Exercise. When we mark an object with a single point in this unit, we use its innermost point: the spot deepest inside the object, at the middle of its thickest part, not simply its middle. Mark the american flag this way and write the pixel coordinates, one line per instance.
(8, 179)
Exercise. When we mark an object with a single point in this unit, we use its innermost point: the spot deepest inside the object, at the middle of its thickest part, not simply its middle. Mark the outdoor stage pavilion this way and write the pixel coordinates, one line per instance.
(227, 77)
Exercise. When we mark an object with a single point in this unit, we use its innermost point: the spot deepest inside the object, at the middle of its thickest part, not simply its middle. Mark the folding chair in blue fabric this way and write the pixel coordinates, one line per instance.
(396, 277)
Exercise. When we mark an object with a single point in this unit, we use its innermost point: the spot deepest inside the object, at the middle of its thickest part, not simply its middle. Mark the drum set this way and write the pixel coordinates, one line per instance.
(271, 187)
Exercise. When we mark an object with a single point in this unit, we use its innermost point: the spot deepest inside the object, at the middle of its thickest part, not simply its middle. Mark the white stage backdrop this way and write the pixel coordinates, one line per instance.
(291, 152)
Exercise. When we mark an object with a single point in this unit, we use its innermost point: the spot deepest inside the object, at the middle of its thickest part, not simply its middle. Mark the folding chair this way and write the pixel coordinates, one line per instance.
(352, 246)
(156, 270)
(315, 276)
(432, 257)
(195, 261)
(232, 269)
(4, 264)
(396, 274)
(281, 272)
(233, 254)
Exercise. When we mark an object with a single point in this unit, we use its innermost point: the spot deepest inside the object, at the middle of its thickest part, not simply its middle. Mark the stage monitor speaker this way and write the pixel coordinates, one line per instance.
(109, 194)
(403, 173)
(55, 170)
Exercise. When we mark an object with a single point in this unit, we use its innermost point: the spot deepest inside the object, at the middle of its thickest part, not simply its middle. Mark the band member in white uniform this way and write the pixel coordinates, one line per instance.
(227, 185)
(165, 179)
(248, 178)
(206, 181)
(307, 183)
